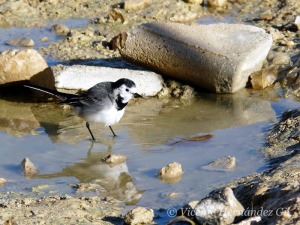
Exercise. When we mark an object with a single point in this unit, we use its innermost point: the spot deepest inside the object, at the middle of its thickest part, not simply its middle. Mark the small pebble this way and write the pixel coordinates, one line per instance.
(223, 164)
(28, 167)
(139, 215)
(216, 3)
(20, 41)
(44, 39)
(60, 29)
(171, 173)
(2, 181)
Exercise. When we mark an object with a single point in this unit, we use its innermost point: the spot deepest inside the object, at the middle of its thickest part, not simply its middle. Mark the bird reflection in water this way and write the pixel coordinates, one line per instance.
(114, 179)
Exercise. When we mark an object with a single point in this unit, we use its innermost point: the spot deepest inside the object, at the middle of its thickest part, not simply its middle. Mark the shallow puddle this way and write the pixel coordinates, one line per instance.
(152, 134)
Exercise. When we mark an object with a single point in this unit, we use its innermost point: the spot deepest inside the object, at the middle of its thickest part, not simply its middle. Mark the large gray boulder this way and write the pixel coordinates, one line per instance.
(217, 57)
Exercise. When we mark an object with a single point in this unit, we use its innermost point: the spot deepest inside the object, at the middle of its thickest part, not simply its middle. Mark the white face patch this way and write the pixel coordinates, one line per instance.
(126, 93)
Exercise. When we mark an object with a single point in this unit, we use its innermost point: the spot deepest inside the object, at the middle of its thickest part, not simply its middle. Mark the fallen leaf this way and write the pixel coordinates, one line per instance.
(197, 138)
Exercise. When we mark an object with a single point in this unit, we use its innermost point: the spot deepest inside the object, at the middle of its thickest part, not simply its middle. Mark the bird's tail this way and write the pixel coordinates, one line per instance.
(60, 95)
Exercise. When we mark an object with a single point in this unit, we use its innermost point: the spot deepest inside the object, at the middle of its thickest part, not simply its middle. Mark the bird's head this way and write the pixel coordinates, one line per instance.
(126, 89)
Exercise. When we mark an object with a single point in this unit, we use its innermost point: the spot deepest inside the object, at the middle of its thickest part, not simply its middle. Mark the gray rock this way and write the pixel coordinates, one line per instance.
(220, 207)
(139, 215)
(20, 41)
(60, 29)
(83, 77)
(217, 57)
(28, 168)
(223, 164)
(171, 173)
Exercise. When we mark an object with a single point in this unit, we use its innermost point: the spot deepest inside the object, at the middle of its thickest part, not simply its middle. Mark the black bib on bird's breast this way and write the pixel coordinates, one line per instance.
(120, 104)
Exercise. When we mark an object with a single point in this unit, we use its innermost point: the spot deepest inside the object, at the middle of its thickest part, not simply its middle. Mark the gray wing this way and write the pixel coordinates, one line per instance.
(94, 99)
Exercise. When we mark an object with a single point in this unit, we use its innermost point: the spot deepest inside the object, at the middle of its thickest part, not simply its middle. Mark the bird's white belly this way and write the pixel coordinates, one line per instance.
(108, 117)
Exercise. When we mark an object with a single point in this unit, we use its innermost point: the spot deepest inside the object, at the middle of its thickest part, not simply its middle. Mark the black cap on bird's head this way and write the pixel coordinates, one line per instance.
(125, 81)
(126, 85)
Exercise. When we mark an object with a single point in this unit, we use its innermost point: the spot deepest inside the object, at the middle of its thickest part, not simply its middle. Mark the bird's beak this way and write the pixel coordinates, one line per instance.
(136, 95)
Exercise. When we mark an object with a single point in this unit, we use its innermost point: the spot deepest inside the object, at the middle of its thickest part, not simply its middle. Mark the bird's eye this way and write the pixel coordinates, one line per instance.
(127, 89)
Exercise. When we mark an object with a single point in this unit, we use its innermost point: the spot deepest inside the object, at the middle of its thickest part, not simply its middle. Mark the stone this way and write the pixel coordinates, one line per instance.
(40, 188)
(194, 1)
(281, 59)
(222, 164)
(216, 3)
(114, 159)
(139, 215)
(135, 4)
(297, 22)
(20, 41)
(115, 15)
(60, 29)
(217, 57)
(267, 15)
(17, 66)
(263, 78)
(276, 34)
(44, 39)
(220, 207)
(83, 77)
(184, 16)
(2, 181)
(29, 169)
(171, 173)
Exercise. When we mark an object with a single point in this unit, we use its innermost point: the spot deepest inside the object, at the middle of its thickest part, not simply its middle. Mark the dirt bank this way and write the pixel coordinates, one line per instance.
(16, 209)
(276, 191)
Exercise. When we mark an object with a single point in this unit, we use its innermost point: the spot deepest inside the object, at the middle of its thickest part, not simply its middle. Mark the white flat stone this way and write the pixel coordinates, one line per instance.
(217, 57)
(83, 77)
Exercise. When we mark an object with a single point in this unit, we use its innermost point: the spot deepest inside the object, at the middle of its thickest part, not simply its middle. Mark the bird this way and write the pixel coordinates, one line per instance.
(103, 103)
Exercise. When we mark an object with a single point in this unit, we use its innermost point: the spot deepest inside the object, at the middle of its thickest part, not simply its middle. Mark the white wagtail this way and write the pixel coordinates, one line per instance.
(103, 103)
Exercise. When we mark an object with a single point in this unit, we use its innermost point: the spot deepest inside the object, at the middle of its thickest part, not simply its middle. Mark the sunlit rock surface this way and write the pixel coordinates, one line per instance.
(217, 57)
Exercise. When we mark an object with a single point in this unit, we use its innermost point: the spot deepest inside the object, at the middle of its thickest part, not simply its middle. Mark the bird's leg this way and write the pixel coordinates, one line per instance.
(112, 131)
(88, 127)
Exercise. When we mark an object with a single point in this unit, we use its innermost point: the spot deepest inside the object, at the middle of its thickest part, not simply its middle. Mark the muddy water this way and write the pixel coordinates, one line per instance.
(151, 135)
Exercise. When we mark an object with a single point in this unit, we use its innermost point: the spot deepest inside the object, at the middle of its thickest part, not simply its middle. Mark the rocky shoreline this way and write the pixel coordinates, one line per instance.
(273, 195)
